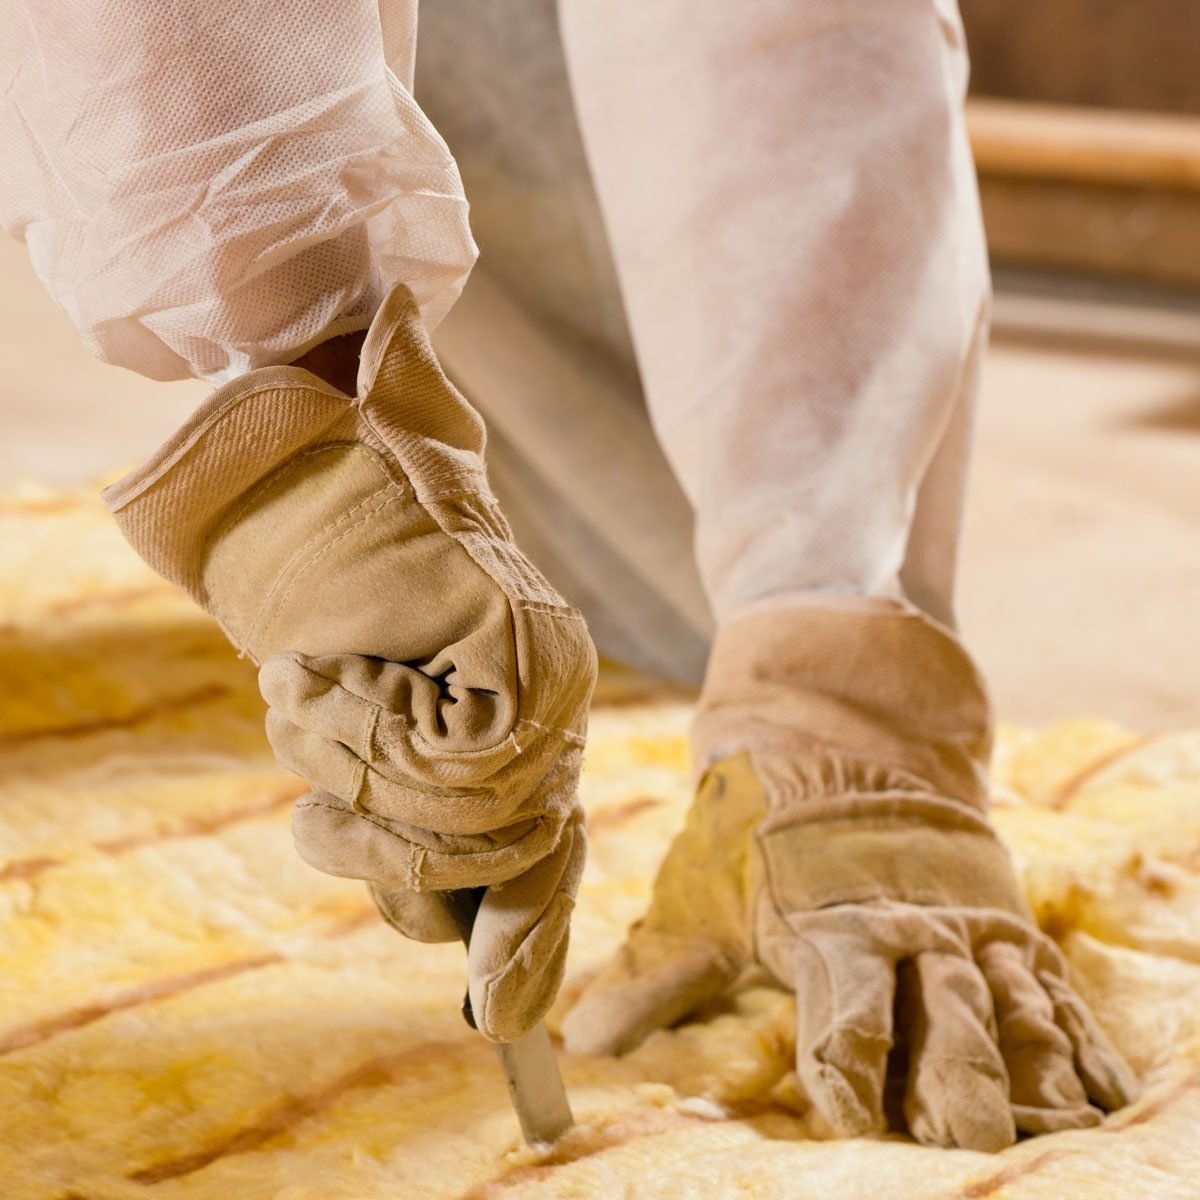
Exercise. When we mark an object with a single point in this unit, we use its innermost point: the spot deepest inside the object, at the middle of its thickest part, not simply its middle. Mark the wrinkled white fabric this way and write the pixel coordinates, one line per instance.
(789, 193)
(789, 199)
(210, 186)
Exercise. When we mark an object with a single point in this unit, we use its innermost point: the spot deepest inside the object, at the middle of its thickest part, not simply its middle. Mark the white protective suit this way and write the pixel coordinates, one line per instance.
(787, 197)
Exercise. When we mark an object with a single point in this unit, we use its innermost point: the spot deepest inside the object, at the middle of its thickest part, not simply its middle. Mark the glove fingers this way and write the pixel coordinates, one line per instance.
(339, 695)
(327, 765)
(1107, 1077)
(318, 703)
(334, 838)
(1044, 1089)
(331, 720)
(957, 1092)
(337, 768)
(519, 942)
(845, 988)
(422, 916)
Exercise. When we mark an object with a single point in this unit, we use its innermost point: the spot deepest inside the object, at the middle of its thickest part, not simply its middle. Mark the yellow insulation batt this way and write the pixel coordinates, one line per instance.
(189, 1012)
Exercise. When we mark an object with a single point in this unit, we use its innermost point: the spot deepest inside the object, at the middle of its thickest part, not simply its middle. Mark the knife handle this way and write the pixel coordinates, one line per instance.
(463, 906)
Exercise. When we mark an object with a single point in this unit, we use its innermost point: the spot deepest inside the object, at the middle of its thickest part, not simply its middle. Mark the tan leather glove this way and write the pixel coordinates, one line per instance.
(838, 839)
(421, 674)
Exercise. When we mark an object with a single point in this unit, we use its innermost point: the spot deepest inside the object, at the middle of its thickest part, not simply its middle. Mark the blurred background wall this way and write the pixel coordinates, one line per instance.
(1141, 54)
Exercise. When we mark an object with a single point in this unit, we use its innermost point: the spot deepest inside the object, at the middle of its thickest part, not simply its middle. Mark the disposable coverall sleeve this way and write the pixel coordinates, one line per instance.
(209, 187)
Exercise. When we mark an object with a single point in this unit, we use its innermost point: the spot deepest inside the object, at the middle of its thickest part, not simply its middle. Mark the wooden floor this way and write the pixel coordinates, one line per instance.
(1081, 575)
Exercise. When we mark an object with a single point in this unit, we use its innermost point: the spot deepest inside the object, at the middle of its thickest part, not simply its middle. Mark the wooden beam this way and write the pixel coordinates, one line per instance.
(1085, 145)
(1099, 191)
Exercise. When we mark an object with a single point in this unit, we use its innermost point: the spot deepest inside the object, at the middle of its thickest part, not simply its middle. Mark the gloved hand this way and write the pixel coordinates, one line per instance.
(420, 672)
(838, 839)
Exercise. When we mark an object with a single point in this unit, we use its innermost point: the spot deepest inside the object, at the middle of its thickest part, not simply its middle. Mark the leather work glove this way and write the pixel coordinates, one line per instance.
(421, 674)
(838, 839)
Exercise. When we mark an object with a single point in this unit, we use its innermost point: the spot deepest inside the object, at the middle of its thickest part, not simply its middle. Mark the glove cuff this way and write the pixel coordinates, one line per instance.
(872, 687)
(196, 487)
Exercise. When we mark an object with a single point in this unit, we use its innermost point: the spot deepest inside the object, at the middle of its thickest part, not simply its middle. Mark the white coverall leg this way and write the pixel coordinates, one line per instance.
(792, 206)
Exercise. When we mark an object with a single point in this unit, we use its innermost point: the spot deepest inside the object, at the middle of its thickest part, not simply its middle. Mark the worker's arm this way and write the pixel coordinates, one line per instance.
(421, 674)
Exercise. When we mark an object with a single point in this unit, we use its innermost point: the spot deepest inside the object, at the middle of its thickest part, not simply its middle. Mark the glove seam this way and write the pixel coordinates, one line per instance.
(563, 613)
(371, 741)
(567, 735)
(951, 820)
(357, 783)
(264, 486)
(537, 824)
(412, 731)
(314, 559)
(274, 477)
(920, 898)
(138, 484)
(455, 492)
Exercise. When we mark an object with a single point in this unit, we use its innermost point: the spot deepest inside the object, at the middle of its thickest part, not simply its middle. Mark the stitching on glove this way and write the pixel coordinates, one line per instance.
(143, 483)
(942, 819)
(416, 860)
(919, 896)
(358, 779)
(566, 734)
(370, 744)
(276, 479)
(563, 614)
(436, 751)
(387, 486)
(454, 492)
(536, 827)
(316, 558)
(277, 476)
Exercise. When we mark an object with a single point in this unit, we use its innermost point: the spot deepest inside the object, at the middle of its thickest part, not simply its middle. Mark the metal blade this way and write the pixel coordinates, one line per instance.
(530, 1069)
(536, 1088)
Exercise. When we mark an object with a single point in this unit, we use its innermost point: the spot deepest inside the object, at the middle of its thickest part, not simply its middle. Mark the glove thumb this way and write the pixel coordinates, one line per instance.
(518, 946)
(655, 980)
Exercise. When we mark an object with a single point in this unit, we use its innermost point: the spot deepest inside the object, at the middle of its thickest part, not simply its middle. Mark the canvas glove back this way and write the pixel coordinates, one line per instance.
(420, 673)
(838, 839)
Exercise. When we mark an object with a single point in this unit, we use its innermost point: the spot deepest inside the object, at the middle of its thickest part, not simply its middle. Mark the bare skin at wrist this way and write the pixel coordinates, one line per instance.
(336, 360)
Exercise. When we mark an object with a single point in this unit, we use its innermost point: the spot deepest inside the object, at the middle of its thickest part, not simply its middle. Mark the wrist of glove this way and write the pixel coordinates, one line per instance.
(874, 889)
(420, 673)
